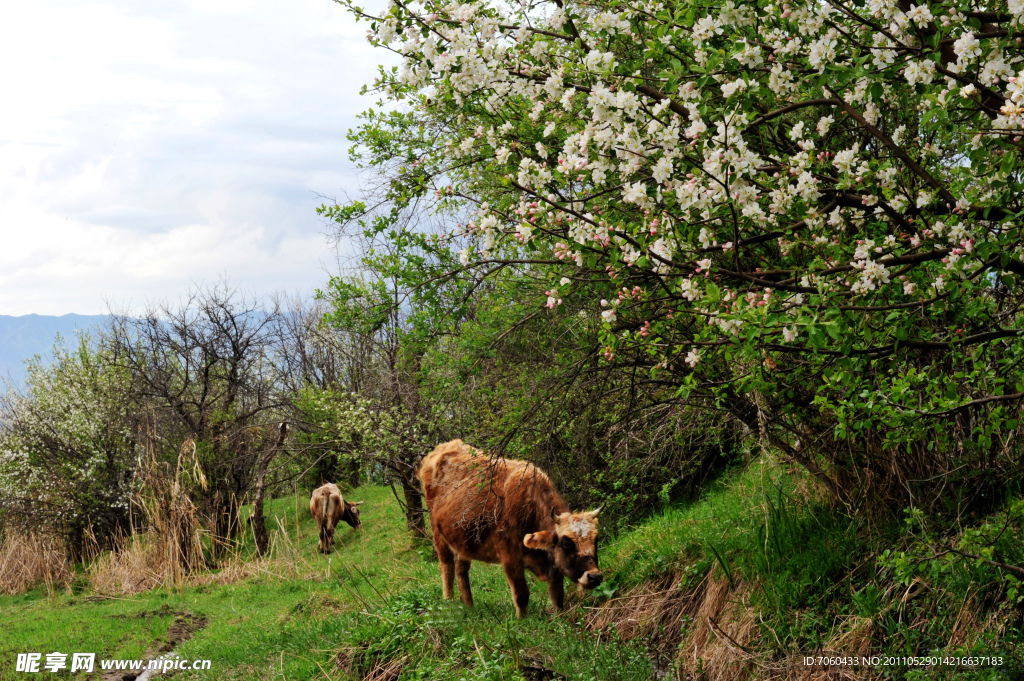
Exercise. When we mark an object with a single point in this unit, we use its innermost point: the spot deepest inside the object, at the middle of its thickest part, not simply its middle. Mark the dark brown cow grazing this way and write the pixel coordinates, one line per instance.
(508, 512)
(328, 507)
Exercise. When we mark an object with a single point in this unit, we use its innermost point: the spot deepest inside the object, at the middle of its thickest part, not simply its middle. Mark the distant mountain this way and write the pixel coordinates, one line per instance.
(24, 337)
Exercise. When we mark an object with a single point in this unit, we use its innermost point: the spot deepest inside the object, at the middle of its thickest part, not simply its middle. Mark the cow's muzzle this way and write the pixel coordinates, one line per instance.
(591, 578)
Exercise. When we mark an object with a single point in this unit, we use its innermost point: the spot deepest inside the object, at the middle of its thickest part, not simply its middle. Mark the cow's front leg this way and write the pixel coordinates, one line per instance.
(556, 588)
(520, 589)
(462, 575)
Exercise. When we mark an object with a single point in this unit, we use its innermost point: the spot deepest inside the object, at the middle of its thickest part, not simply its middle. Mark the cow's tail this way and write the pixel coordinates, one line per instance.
(329, 509)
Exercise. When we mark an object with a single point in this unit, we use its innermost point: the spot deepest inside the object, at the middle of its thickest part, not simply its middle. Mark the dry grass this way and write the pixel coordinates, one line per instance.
(710, 632)
(706, 630)
(135, 567)
(656, 609)
(966, 624)
(719, 643)
(388, 670)
(28, 560)
(855, 638)
(168, 554)
(169, 512)
(171, 550)
(142, 564)
(794, 669)
(382, 670)
(149, 560)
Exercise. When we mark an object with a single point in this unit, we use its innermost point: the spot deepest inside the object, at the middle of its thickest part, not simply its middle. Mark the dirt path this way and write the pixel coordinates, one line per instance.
(181, 630)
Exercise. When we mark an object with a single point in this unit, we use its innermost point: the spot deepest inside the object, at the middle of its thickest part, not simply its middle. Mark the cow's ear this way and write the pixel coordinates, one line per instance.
(540, 540)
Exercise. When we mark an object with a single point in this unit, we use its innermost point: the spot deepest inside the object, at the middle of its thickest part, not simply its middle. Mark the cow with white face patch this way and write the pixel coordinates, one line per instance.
(508, 512)
(572, 546)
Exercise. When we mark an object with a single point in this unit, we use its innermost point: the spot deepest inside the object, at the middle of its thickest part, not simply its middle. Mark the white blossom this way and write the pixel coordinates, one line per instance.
(967, 47)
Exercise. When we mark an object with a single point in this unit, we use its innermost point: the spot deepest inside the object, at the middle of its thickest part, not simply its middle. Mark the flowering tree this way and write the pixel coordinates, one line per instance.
(68, 448)
(806, 211)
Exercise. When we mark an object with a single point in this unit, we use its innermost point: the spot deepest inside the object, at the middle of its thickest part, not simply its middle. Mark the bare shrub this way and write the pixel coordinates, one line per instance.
(205, 369)
(28, 560)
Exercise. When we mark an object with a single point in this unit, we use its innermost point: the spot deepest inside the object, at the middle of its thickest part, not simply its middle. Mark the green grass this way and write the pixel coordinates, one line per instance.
(808, 569)
(276, 625)
(237, 614)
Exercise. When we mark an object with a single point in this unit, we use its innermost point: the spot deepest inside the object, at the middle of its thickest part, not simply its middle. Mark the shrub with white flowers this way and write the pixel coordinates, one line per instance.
(345, 432)
(67, 448)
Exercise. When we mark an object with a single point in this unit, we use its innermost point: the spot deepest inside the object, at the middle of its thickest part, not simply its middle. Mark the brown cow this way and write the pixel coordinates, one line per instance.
(508, 512)
(328, 507)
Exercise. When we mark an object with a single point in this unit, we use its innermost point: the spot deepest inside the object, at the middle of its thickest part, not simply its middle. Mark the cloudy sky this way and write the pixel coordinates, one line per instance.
(148, 145)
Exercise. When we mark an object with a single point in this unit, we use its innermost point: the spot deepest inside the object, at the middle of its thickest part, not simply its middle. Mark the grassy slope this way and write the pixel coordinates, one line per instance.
(808, 573)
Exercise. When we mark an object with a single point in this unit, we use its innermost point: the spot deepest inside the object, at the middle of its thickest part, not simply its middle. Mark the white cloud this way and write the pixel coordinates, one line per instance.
(145, 146)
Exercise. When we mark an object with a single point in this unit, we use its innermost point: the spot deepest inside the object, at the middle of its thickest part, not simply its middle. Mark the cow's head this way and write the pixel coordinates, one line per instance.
(572, 545)
(351, 514)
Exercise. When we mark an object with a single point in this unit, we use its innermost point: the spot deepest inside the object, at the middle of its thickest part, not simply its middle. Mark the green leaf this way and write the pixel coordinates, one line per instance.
(816, 336)
(1009, 163)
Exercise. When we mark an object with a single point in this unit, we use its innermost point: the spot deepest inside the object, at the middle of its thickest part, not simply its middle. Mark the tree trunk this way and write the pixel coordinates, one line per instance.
(259, 525)
(353, 463)
(352, 469)
(327, 469)
(414, 511)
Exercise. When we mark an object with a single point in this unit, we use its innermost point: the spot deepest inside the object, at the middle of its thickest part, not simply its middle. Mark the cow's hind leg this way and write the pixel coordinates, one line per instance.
(462, 575)
(520, 589)
(447, 560)
(330, 541)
